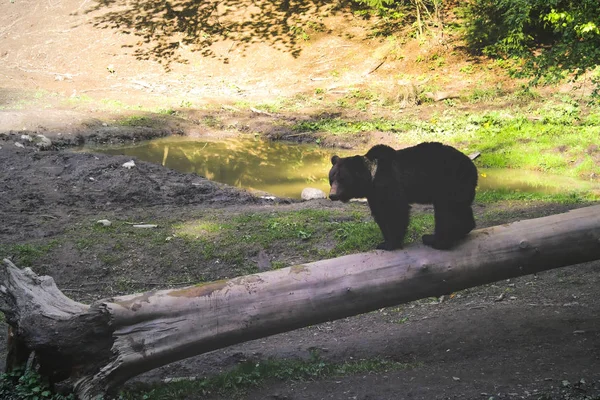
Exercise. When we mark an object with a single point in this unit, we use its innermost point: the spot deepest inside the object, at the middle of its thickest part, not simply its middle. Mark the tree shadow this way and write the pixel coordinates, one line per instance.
(167, 28)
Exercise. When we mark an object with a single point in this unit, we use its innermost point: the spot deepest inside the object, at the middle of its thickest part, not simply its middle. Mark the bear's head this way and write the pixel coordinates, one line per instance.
(349, 177)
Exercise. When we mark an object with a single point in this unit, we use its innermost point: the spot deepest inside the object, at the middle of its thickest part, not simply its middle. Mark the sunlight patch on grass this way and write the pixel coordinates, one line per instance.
(551, 138)
(198, 229)
(494, 196)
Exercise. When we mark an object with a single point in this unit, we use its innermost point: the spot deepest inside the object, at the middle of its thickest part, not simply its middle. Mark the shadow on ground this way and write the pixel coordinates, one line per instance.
(167, 29)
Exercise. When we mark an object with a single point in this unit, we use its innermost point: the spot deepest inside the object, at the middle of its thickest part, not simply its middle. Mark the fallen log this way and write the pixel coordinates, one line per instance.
(100, 346)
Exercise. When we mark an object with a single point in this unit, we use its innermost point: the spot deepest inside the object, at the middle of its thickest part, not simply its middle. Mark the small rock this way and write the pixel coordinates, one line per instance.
(180, 379)
(26, 137)
(104, 222)
(456, 378)
(145, 226)
(129, 164)
(42, 142)
(19, 145)
(312, 194)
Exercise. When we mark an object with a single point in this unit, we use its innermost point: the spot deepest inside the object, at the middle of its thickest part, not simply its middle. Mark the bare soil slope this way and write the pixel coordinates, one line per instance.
(68, 62)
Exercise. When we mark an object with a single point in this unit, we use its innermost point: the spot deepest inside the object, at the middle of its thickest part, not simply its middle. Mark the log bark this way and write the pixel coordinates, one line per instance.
(102, 345)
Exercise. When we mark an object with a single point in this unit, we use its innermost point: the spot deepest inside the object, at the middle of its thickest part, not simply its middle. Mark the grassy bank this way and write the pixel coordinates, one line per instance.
(560, 136)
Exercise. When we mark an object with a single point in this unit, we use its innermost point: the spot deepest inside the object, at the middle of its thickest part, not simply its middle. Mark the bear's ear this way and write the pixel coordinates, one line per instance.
(334, 160)
(371, 166)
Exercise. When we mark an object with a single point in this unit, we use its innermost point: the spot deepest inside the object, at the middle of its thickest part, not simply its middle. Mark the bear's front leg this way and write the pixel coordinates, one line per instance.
(391, 215)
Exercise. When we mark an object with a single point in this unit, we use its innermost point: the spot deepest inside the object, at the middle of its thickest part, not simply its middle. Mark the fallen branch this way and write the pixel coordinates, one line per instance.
(102, 345)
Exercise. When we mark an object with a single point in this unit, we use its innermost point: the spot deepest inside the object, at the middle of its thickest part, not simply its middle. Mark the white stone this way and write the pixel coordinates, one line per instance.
(42, 142)
(129, 164)
(312, 194)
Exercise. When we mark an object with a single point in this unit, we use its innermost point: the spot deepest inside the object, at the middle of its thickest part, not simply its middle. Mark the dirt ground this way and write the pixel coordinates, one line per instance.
(71, 69)
(543, 339)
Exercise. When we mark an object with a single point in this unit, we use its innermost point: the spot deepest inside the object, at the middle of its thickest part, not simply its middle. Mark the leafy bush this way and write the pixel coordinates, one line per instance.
(421, 13)
(17, 385)
(554, 38)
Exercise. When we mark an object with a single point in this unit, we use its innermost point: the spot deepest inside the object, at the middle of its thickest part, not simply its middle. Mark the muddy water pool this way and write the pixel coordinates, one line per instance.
(284, 169)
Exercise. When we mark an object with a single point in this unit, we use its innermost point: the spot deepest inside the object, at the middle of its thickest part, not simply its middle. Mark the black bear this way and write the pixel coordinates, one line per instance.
(428, 173)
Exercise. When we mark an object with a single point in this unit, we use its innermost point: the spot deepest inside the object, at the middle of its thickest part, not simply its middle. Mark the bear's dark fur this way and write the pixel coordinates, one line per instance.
(429, 173)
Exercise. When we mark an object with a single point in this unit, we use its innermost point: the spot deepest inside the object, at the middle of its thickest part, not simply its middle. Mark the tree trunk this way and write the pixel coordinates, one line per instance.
(102, 345)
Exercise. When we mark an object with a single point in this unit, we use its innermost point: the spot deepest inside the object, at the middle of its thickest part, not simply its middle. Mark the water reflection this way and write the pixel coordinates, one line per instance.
(531, 181)
(284, 169)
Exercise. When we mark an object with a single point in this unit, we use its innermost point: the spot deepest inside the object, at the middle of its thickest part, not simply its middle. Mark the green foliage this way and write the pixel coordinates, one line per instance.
(341, 126)
(393, 14)
(136, 120)
(377, 4)
(25, 254)
(17, 385)
(558, 137)
(553, 38)
(485, 95)
(253, 373)
(497, 195)
(356, 236)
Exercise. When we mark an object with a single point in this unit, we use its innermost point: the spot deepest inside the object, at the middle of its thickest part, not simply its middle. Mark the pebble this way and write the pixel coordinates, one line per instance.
(312, 194)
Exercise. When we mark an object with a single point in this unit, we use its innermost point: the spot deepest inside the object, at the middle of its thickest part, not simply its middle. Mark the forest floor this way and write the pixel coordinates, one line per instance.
(80, 72)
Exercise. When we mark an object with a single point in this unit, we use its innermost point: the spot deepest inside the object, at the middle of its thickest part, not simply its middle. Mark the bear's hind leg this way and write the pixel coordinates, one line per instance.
(453, 221)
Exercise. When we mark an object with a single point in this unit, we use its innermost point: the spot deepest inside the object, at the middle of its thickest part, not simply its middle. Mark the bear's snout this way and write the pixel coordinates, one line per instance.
(333, 192)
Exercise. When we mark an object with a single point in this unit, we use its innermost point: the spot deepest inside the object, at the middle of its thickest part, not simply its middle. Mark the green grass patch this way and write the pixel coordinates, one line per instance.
(199, 228)
(498, 195)
(356, 236)
(316, 234)
(341, 126)
(26, 254)
(138, 120)
(485, 94)
(554, 138)
(212, 121)
(251, 374)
